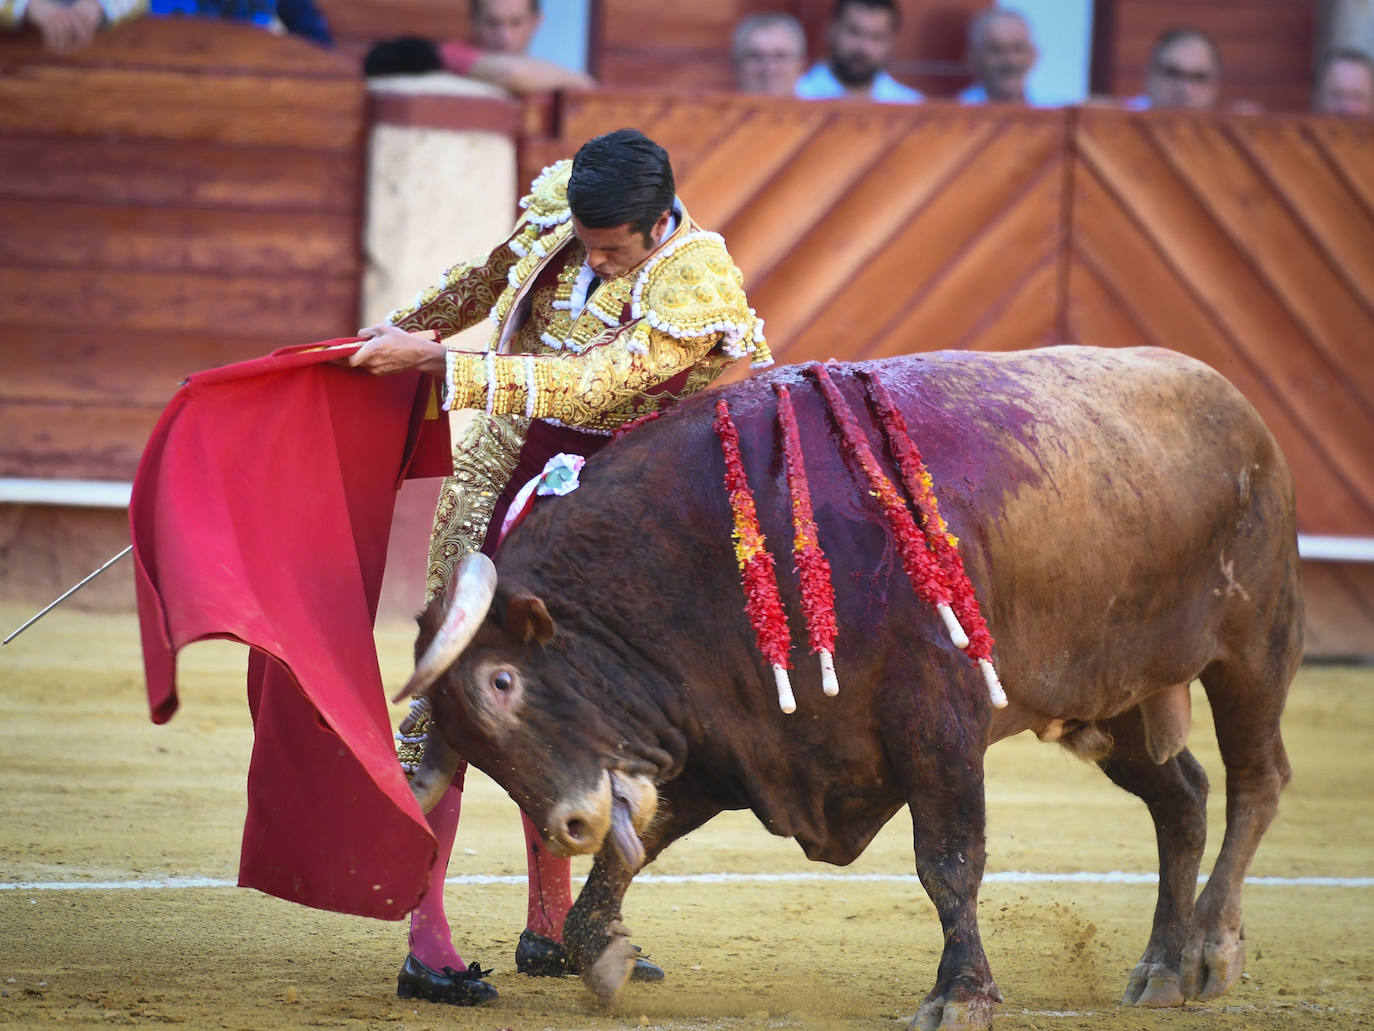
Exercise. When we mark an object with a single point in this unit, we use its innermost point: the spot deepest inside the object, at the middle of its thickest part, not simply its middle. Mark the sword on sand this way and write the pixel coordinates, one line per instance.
(67, 594)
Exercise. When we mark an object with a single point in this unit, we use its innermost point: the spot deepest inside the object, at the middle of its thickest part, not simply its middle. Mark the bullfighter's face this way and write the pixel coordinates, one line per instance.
(615, 250)
(508, 705)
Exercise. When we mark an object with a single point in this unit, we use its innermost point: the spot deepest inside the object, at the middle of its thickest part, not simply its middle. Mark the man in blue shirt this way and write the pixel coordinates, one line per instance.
(300, 17)
(860, 41)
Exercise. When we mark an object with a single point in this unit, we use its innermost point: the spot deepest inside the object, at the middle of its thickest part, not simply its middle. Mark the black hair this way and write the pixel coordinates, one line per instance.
(890, 6)
(619, 178)
(1351, 54)
(408, 55)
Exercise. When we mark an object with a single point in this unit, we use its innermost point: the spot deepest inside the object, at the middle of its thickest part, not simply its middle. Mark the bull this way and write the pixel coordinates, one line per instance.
(1127, 521)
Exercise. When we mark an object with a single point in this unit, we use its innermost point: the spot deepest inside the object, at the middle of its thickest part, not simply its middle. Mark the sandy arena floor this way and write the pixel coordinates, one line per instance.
(93, 792)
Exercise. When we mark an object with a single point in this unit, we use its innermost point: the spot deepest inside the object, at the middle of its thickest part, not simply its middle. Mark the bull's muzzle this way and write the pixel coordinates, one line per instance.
(619, 807)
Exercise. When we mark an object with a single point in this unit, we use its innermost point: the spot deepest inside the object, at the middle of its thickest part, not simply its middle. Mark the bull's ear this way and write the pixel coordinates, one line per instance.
(527, 618)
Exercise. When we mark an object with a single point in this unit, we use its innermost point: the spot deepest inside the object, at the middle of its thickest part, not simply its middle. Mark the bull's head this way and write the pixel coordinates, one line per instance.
(497, 701)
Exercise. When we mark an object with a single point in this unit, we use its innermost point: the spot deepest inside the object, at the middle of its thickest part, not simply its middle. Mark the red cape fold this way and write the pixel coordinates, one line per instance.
(260, 513)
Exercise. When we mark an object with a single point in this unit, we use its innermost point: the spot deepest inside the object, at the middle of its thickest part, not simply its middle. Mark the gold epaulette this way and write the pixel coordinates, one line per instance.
(547, 202)
(692, 289)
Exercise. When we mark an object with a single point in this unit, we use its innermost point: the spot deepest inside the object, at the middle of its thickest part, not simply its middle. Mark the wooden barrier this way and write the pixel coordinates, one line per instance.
(1247, 241)
(141, 247)
(182, 194)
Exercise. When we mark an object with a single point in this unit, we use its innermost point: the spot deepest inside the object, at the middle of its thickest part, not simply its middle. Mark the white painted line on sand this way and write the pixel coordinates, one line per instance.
(999, 877)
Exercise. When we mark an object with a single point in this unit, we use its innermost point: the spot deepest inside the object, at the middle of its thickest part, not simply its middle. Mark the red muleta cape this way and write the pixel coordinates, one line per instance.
(260, 513)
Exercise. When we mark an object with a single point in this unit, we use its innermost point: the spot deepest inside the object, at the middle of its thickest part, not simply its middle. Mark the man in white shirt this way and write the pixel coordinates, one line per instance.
(768, 52)
(1001, 53)
(860, 39)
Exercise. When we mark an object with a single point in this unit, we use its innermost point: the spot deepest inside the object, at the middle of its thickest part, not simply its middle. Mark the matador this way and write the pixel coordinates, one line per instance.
(608, 304)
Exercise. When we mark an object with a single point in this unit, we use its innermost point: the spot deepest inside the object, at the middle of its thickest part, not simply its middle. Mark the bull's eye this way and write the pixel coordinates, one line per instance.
(502, 680)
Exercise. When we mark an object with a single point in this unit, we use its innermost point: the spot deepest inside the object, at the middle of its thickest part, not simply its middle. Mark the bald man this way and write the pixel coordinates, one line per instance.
(1001, 53)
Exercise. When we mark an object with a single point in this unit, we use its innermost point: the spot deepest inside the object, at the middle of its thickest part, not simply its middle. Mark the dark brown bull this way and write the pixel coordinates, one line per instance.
(1127, 521)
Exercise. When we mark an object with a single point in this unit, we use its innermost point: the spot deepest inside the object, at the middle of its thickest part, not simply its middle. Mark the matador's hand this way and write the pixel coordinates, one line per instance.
(389, 350)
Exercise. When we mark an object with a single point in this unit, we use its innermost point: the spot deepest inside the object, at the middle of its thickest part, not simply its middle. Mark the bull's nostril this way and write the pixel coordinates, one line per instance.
(577, 830)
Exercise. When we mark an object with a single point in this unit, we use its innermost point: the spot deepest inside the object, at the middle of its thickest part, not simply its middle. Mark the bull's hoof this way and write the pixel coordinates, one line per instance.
(607, 974)
(970, 1014)
(538, 956)
(1153, 985)
(1213, 965)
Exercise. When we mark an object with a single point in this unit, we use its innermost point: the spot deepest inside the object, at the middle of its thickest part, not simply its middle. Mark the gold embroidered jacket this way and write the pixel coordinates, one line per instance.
(661, 331)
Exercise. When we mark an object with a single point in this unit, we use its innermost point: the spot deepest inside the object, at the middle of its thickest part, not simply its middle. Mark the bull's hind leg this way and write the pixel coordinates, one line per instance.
(1175, 792)
(1246, 705)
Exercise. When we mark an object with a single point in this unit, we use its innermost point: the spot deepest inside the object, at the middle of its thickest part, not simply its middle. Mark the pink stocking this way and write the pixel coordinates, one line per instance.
(430, 940)
(550, 885)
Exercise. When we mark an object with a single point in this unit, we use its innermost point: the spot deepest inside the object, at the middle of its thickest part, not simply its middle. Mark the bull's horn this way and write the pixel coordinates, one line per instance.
(435, 772)
(465, 606)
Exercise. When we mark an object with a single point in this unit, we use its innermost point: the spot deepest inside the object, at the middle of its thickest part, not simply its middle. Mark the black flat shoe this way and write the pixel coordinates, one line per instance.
(455, 987)
(538, 956)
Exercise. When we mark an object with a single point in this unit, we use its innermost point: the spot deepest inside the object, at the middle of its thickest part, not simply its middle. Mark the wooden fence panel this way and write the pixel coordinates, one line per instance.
(1247, 242)
(1206, 249)
(183, 193)
(44, 168)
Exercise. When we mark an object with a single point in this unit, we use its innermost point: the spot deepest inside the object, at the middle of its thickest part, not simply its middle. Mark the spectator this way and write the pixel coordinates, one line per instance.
(769, 53)
(299, 17)
(1001, 53)
(1184, 72)
(501, 30)
(68, 25)
(1345, 85)
(860, 40)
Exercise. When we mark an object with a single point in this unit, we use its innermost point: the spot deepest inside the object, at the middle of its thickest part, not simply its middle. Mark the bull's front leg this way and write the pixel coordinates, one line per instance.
(597, 940)
(949, 818)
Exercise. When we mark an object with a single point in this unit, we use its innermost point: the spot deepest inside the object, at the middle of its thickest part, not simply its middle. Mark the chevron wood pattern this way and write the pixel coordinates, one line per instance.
(865, 230)
(1246, 241)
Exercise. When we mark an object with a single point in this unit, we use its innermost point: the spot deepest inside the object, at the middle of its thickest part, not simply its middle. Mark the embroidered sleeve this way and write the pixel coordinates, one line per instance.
(573, 389)
(463, 298)
(468, 292)
(686, 303)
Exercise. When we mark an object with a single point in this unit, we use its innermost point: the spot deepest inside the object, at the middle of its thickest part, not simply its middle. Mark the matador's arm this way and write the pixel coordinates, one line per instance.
(468, 291)
(463, 298)
(571, 388)
(686, 302)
